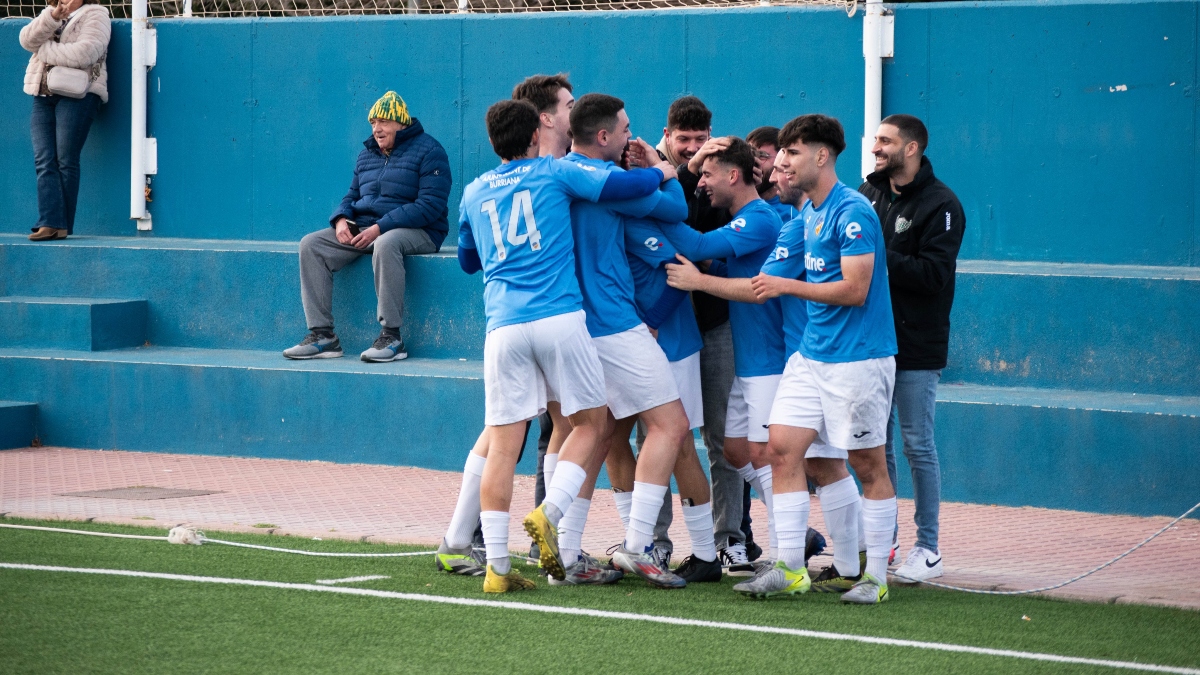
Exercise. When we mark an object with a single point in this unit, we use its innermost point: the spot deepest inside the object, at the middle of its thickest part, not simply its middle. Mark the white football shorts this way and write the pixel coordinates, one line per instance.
(637, 375)
(846, 403)
(523, 362)
(687, 380)
(749, 409)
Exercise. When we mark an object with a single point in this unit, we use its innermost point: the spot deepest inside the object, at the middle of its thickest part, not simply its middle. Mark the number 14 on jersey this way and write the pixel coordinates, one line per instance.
(522, 205)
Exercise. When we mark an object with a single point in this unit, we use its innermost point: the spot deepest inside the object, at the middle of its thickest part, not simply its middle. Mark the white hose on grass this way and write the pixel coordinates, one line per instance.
(188, 535)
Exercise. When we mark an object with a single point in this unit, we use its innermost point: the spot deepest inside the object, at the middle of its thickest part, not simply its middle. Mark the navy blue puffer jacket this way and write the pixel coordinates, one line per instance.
(407, 188)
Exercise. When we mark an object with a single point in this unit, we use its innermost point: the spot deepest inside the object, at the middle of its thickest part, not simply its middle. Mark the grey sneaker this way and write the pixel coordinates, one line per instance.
(315, 346)
(868, 591)
(735, 561)
(387, 347)
(645, 566)
(776, 581)
(468, 562)
(588, 572)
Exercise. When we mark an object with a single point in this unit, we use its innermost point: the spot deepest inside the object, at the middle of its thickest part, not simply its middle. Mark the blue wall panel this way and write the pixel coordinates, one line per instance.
(1067, 130)
(259, 121)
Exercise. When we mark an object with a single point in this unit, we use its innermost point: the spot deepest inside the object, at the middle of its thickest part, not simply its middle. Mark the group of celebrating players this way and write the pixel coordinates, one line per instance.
(587, 265)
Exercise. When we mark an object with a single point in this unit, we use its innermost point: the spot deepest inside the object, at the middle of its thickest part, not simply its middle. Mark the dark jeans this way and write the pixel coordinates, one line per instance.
(59, 127)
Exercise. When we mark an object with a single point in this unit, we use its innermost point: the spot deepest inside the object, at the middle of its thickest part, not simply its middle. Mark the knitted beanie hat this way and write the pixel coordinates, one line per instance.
(390, 107)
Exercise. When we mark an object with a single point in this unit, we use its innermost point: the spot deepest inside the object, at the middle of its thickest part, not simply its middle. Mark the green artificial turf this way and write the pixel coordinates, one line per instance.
(74, 623)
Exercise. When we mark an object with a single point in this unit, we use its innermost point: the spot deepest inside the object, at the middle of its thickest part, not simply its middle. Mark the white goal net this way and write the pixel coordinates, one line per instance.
(122, 9)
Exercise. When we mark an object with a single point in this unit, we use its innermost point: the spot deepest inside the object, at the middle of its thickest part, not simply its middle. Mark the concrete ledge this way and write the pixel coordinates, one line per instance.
(17, 424)
(89, 324)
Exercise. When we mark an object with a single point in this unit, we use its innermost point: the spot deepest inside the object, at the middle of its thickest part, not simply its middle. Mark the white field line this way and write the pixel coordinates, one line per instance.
(623, 616)
(351, 580)
(87, 532)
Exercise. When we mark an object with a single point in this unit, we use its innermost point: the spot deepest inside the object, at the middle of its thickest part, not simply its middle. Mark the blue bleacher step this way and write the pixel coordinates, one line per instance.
(246, 294)
(18, 424)
(89, 324)
(1109, 452)
(248, 403)
(1076, 326)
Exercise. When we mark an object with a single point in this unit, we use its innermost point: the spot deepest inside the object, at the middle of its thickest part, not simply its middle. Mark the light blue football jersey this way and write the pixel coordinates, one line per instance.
(846, 225)
(648, 250)
(518, 217)
(787, 261)
(601, 265)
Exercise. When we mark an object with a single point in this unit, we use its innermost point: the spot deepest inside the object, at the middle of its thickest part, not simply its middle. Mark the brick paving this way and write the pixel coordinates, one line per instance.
(983, 546)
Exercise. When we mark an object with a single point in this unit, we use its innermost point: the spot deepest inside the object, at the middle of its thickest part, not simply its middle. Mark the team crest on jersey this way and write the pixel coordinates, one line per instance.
(781, 252)
(902, 225)
(820, 224)
(653, 243)
(737, 224)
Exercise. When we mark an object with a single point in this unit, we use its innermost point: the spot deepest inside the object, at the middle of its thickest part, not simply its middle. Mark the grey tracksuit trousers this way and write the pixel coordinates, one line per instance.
(321, 254)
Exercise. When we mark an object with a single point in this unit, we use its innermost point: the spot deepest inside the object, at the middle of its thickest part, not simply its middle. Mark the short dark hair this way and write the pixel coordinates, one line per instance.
(689, 113)
(911, 129)
(814, 130)
(740, 156)
(542, 91)
(510, 126)
(764, 136)
(592, 113)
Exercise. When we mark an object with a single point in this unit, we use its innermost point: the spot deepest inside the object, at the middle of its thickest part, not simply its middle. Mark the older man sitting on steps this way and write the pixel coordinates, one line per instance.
(396, 206)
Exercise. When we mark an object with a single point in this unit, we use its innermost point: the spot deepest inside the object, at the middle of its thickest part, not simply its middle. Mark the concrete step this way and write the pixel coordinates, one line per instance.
(18, 424)
(417, 412)
(245, 294)
(1108, 452)
(89, 324)
(1045, 325)
(1076, 326)
(1097, 451)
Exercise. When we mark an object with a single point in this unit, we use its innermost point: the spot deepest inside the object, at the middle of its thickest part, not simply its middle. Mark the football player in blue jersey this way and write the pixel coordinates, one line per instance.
(515, 226)
(551, 96)
(739, 250)
(838, 386)
(637, 375)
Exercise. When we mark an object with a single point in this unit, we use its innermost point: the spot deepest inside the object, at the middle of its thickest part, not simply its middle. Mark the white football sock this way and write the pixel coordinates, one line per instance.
(791, 518)
(623, 501)
(570, 531)
(549, 463)
(699, 521)
(766, 490)
(879, 521)
(466, 511)
(568, 478)
(643, 514)
(495, 538)
(843, 510)
(749, 475)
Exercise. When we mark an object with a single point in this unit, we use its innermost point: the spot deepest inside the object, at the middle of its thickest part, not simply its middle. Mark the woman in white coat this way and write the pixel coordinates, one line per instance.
(72, 34)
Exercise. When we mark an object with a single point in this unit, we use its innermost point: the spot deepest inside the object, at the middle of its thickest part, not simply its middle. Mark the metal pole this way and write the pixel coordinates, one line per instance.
(873, 77)
(143, 152)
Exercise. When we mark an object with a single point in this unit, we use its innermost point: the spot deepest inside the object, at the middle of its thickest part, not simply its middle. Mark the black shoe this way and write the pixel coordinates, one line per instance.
(832, 581)
(753, 550)
(694, 570)
(814, 544)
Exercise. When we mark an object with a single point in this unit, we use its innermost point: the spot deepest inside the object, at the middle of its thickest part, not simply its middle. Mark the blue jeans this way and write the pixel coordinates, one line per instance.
(59, 127)
(913, 402)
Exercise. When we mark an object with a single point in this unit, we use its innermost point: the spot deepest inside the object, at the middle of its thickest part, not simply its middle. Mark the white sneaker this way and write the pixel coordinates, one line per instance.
(922, 565)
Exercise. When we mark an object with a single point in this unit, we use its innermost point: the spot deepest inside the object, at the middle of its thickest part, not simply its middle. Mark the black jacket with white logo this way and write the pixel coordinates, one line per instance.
(923, 229)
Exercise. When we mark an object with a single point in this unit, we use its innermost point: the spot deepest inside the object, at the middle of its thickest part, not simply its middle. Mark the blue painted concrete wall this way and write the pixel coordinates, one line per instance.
(1068, 129)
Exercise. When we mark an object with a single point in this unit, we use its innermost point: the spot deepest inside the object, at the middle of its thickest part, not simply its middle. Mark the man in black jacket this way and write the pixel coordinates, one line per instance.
(923, 226)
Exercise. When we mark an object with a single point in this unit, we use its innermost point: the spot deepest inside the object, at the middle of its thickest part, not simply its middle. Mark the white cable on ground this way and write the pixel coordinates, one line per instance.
(1068, 581)
(187, 535)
